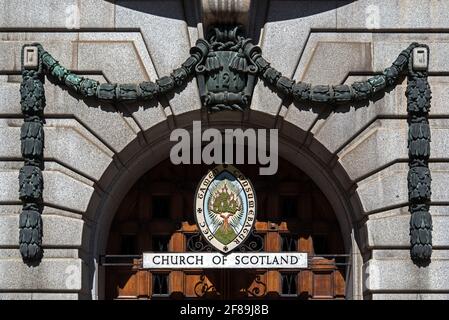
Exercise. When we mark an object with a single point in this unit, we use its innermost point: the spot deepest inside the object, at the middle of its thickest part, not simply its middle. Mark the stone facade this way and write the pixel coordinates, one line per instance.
(93, 153)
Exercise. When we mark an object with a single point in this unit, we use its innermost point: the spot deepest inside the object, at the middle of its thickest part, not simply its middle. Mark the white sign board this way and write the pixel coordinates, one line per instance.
(210, 260)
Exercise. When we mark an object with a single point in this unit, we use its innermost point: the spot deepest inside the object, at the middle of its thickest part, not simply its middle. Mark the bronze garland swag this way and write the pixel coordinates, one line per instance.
(227, 66)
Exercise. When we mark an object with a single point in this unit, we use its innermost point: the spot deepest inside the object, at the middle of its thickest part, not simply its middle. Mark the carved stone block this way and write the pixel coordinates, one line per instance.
(30, 183)
(301, 91)
(320, 93)
(149, 90)
(419, 140)
(342, 93)
(106, 91)
(30, 234)
(32, 94)
(88, 87)
(420, 59)
(127, 91)
(30, 57)
(419, 180)
(361, 90)
(73, 81)
(32, 140)
(391, 75)
(225, 12)
(165, 84)
(378, 83)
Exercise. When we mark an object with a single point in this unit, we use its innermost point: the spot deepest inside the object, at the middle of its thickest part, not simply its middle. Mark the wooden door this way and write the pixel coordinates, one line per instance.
(293, 215)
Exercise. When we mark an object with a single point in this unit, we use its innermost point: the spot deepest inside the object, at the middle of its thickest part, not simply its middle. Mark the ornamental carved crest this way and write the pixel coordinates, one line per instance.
(226, 76)
(225, 208)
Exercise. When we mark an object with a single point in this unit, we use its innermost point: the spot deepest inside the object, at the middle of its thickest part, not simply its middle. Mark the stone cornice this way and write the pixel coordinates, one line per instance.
(234, 12)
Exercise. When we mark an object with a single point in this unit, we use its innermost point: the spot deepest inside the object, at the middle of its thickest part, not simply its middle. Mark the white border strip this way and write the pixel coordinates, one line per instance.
(211, 260)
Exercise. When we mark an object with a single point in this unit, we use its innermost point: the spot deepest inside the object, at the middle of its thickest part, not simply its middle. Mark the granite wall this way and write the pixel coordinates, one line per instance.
(93, 153)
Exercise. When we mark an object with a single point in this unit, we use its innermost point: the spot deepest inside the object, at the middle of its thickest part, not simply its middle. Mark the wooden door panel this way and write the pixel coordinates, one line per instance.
(323, 284)
(339, 284)
(177, 284)
(127, 286)
(289, 205)
(305, 284)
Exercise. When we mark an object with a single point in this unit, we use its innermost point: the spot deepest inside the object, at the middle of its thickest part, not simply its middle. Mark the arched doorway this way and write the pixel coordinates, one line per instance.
(157, 215)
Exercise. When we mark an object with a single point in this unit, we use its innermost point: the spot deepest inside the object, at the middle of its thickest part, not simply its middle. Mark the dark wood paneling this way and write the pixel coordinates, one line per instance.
(313, 220)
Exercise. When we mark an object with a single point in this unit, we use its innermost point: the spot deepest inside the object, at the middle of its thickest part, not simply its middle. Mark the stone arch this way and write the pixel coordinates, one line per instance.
(310, 158)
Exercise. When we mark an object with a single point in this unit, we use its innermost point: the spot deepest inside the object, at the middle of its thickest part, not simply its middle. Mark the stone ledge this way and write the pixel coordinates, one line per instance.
(385, 141)
(390, 229)
(60, 190)
(388, 188)
(50, 274)
(58, 43)
(58, 231)
(392, 14)
(410, 296)
(66, 141)
(48, 253)
(38, 296)
(398, 273)
(381, 143)
(62, 14)
(354, 119)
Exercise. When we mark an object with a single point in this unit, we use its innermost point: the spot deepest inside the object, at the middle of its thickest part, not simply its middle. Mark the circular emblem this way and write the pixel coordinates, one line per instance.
(225, 207)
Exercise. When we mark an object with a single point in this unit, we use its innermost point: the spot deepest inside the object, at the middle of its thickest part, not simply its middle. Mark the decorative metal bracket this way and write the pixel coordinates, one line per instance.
(202, 286)
(196, 243)
(254, 243)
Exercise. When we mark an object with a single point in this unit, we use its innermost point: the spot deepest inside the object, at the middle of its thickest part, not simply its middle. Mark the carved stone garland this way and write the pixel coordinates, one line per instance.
(419, 179)
(30, 176)
(226, 66)
(146, 90)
